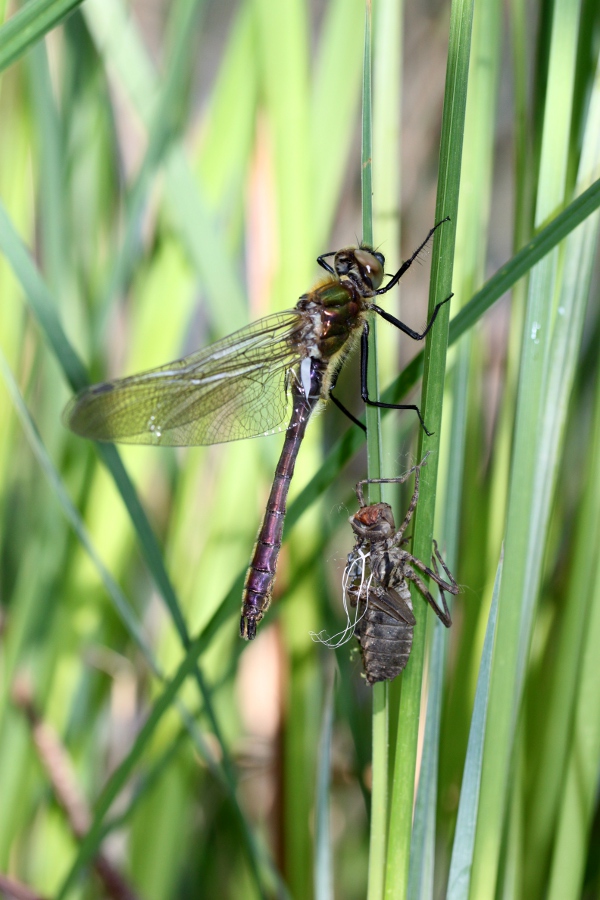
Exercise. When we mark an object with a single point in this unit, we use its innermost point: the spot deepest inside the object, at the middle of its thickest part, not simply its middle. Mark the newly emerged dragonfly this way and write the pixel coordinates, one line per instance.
(248, 384)
(376, 580)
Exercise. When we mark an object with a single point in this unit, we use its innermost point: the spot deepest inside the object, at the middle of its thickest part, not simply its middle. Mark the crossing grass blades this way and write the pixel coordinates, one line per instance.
(277, 370)
(376, 580)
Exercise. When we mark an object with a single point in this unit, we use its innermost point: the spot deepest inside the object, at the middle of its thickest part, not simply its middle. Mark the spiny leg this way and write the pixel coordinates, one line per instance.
(445, 567)
(406, 265)
(452, 588)
(413, 502)
(399, 479)
(443, 616)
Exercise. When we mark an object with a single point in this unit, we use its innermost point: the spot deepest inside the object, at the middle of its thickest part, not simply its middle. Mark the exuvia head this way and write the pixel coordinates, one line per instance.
(361, 265)
(375, 521)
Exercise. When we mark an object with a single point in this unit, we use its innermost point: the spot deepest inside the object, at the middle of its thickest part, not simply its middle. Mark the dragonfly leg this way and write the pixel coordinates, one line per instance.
(364, 358)
(406, 265)
(325, 265)
(415, 335)
(346, 412)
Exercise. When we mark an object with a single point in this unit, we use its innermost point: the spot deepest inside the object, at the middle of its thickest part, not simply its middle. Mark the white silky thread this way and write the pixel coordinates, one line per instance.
(348, 632)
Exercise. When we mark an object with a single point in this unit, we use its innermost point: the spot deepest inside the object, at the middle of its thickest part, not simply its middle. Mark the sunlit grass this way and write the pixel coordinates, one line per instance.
(163, 183)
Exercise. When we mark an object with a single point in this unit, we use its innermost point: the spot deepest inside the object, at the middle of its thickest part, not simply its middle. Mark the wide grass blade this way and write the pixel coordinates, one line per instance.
(580, 252)
(527, 508)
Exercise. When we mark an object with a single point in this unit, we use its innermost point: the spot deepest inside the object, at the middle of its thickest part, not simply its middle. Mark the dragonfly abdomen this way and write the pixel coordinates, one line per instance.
(260, 577)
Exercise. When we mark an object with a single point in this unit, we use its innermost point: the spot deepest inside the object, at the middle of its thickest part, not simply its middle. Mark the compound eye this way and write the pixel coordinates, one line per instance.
(371, 264)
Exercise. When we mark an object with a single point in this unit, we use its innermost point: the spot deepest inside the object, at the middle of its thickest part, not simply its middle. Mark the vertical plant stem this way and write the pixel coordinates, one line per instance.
(379, 791)
(432, 398)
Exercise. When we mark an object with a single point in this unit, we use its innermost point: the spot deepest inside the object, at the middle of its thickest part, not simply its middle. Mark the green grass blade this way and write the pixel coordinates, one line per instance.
(29, 25)
(433, 387)
(503, 280)
(526, 520)
(422, 850)
(380, 721)
(166, 120)
(89, 846)
(323, 851)
(573, 817)
(464, 837)
(114, 591)
(119, 45)
(580, 253)
(42, 305)
(335, 96)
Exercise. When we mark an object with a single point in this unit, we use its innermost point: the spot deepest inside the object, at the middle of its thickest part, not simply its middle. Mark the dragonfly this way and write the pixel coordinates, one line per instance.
(275, 371)
(376, 579)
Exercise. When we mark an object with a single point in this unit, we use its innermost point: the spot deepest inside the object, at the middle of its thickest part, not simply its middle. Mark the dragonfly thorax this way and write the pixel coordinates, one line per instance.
(362, 266)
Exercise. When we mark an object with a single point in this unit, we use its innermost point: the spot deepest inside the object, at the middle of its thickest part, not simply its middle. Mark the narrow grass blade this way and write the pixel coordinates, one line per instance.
(89, 846)
(334, 102)
(504, 279)
(42, 305)
(583, 762)
(422, 849)
(165, 121)
(433, 389)
(323, 851)
(114, 591)
(464, 838)
(120, 46)
(29, 25)
(379, 790)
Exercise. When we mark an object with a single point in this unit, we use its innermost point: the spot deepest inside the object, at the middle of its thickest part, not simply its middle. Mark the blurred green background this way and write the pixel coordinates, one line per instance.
(169, 171)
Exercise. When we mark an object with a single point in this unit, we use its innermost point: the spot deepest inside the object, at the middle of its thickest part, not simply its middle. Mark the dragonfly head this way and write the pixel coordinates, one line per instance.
(361, 265)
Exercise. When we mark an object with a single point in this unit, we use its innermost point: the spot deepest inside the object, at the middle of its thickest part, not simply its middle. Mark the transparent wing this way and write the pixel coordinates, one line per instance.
(233, 389)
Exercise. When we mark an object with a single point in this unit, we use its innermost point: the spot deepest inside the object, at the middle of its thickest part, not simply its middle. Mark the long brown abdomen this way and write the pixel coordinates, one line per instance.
(260, 577)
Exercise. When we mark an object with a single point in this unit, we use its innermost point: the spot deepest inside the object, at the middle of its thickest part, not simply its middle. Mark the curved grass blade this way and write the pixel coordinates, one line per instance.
(118, 779)
(29, 25)
(503, 280)
(117, 596)
(42, 305)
